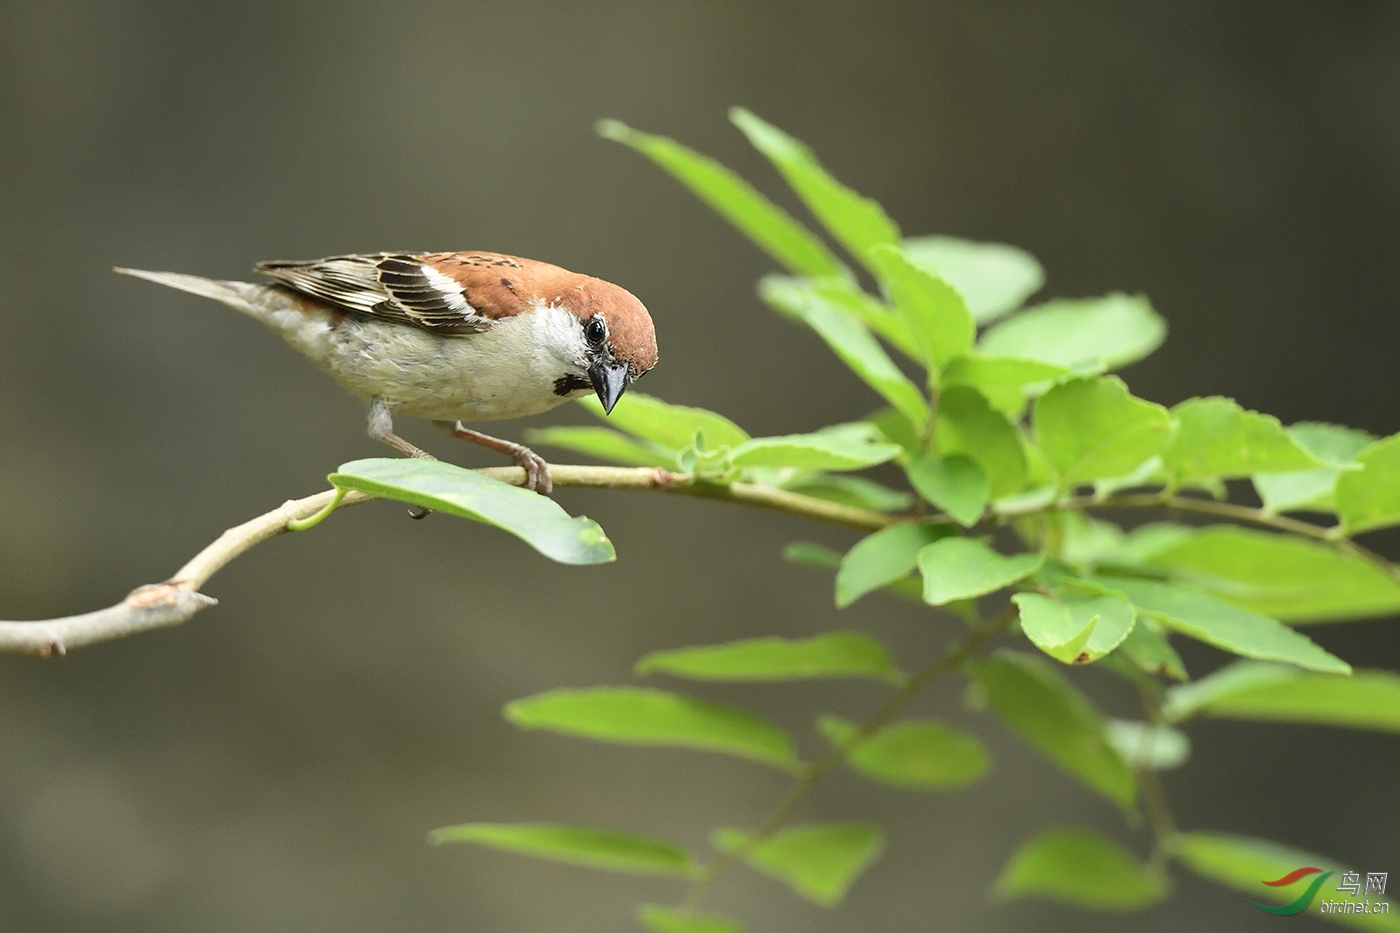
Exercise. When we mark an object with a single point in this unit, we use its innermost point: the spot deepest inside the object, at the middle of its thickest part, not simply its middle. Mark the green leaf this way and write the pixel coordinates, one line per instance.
(1216, 438)
(884, 557)
(537, 520)
(1085, 333)
(993, 277)
(933, 311)
(1144, 745)
(812, 554)
(1093, 429)
(849, 340)
(855, 491)
(1048, 712)
(857, 222)
(922, 754)
(992, 374)
(1149, 650)
(603, 443)
(1223, 625)
(954, 484)
(671, 426)
(1081, 868)
(1245, 864)
(1370, 497)
(837, 654)
(969, 425)
(578, 845)
(1282, 576)
(961, 568)
(819, 862)
(1075, 630)
(821, 451)
(872, 312)
(1312, 489)
(1277, 693)
(637, 716)
(765, 223)
(661, 919)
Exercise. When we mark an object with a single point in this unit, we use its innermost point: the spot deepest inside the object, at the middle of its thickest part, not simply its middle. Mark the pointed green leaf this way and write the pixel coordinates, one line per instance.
(884, 557)
(1312, 489)
(821, 451)
(603, 443)
(1186, 700)
(922, 754)
(537, 520)
(897, 429)
(857, 222)
(1278, 693)
(1282, 576)
(1370, 497)
(660, 919)
(969, 425)
(671, 426)
(1223, 625)
(991, 373)
(1085, 333)
(855, 491)
(837, 654)
(885, 321)
(1216, 438)
(1245, 864)
(1048, 712)
(765, 223)
(849, 340)
(812, 554)
(637, 716)
(819, 862)
(1144, 745)
(993, 277)
(1081, 868)
(1075, 630)
(1093, 428)
(933, 312)
(1149, 650)
(578, 845)
(954, 484)
(961, 568)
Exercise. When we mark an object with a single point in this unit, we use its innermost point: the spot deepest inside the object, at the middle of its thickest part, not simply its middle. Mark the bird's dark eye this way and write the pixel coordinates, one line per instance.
(595, 331)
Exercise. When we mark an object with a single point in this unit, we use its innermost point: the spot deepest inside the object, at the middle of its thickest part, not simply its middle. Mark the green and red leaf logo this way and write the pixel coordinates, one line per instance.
(1304, 900)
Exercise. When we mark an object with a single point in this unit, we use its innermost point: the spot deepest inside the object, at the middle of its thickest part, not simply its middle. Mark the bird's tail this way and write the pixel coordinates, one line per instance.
(242, 296)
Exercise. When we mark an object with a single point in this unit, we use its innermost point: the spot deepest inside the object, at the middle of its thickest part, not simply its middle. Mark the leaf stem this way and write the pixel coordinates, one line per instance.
(813, 772)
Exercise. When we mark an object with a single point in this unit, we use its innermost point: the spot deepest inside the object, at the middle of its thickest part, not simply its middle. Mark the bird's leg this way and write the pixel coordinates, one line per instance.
(537, 475)
(381, 427)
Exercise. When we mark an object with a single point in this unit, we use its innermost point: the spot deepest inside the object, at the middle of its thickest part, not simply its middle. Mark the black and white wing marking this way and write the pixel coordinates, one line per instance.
(396, 286)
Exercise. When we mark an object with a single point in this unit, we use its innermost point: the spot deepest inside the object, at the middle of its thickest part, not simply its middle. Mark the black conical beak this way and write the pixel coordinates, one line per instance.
(609, 381)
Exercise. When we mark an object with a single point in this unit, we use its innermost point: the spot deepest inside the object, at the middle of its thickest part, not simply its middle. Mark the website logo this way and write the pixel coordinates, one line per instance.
(1350, 884)
(1304, 900)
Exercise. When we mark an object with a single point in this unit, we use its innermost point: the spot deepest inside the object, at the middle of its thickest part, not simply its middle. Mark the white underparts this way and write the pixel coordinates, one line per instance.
(507, 371)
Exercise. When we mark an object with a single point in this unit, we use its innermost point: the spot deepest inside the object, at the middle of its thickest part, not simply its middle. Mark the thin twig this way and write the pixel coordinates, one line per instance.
(178, 599)
(813, 772)
(1154, 797)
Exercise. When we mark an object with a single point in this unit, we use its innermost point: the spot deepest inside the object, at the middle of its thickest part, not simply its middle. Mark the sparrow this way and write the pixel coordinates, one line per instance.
(451, 337)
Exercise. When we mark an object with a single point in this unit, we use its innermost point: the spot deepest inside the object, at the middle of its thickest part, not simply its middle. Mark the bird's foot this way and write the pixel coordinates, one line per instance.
(537, 477)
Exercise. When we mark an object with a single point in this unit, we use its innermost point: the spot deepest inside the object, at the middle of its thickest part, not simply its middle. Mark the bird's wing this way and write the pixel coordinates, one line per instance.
(396, 286)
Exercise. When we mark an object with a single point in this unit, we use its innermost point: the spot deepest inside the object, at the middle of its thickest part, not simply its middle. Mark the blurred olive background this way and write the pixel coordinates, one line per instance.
(275, 764)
